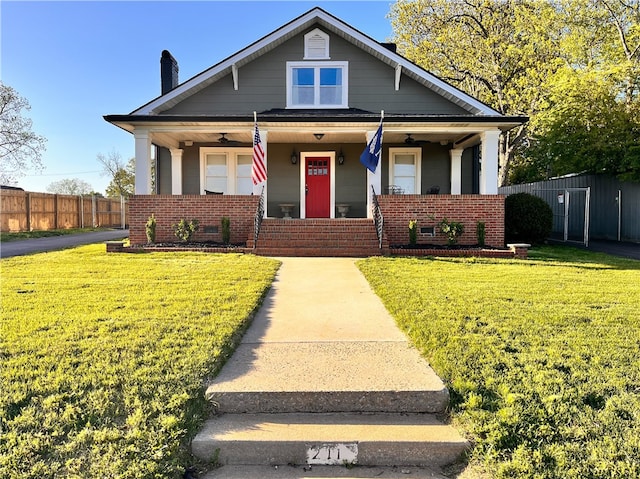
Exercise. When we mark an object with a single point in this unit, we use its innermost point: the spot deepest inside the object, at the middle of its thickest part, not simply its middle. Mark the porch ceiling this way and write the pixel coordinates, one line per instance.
(235, 137)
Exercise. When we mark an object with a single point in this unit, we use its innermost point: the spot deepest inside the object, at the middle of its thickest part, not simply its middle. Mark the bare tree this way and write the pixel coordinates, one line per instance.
(70, 186)
(20, 147)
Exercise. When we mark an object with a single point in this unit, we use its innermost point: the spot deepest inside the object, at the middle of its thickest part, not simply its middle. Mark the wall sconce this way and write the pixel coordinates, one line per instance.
(341, 157)
(318, 136)
(294, 157)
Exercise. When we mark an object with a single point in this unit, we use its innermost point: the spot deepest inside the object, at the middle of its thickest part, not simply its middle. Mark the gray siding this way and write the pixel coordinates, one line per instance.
(603, 217)
(436, 168)
(163, 173)
(262, 85)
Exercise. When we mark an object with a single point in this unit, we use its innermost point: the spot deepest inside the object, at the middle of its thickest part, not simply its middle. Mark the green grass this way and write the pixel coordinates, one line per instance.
(104, 356)
(45, 233)
(542, 357)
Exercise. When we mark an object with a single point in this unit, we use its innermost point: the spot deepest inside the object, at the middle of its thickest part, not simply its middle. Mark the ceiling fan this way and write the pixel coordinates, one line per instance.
(409, 140)
(226, 141)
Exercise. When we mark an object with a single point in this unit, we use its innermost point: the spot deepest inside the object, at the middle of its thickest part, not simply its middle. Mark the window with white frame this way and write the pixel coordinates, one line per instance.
(317, 84)
(226, 171)
(404, 169)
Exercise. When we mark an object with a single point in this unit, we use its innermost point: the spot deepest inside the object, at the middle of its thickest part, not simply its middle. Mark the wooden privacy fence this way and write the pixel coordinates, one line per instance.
(27, 211)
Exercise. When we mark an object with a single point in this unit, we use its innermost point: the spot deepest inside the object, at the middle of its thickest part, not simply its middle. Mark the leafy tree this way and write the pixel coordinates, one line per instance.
(20, 147)
(122, 175)
(499, 52)
(70, 186)
(585, 129)
(572, 66)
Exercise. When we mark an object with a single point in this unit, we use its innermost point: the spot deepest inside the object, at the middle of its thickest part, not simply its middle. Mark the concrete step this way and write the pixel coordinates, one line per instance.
(324, 472)
(329, 439)
(327, 376)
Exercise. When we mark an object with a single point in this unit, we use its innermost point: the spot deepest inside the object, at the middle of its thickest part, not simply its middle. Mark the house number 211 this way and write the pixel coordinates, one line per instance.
(332, 454)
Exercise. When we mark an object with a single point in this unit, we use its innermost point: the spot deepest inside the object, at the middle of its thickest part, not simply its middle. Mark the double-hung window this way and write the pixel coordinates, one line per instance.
(317, 85)
(226, 171)
(404, 169)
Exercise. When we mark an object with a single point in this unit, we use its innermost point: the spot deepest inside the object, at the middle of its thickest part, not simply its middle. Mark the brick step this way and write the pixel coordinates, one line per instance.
(318, 237)
(364, 439)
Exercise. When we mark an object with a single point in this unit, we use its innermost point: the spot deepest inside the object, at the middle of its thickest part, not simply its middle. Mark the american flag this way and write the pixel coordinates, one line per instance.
(258, 168)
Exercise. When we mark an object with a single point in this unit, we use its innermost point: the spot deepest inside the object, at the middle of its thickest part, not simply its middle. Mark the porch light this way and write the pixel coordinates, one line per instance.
(318, 136)
(294, 157)
(341, 157)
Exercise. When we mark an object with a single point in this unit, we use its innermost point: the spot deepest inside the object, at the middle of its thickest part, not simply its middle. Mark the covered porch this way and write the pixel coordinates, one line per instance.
(313, 166)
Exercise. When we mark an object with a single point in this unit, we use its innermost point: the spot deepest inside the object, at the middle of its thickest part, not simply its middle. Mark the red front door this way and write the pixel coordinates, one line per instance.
(318, 186)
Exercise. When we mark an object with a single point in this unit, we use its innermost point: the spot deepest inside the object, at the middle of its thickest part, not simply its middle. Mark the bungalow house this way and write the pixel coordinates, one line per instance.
(316, 88)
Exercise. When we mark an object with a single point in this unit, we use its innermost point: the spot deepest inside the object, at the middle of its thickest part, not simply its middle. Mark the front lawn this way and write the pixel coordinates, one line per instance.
(104, 356)
(542, 356)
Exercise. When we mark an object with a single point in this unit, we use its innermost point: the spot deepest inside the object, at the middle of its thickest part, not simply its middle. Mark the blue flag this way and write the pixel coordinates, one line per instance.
(371, 155)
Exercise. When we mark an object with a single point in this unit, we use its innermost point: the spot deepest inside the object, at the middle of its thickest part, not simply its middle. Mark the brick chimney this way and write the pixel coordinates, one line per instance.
(168, 72)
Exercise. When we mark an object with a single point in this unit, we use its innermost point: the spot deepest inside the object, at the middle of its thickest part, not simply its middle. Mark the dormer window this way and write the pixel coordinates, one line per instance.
(316, 45)
(317, 84)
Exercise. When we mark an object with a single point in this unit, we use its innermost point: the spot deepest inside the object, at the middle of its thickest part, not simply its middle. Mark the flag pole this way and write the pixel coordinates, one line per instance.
(255, 117)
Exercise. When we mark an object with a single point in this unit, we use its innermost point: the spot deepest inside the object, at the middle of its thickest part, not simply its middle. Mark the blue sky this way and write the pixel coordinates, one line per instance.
(77, 61)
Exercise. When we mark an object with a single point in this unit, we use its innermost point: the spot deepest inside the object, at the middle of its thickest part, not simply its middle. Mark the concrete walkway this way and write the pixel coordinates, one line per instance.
(324, 365)
(52, 243)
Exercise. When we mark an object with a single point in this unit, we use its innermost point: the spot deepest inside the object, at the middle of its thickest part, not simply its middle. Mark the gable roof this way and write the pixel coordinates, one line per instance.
(314, 16)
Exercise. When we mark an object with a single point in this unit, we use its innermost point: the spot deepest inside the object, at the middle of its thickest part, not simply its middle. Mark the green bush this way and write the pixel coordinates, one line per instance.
(226, 230)
(150, 229)
(527, 218)
(452, 229)
(184, 230)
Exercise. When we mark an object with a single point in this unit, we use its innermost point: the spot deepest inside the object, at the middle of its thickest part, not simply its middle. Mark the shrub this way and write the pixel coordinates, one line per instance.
(226, 230)
(150, 229)
(480, 232)
(413, 231)
(528, 219)
(185, 231)
(452, 229)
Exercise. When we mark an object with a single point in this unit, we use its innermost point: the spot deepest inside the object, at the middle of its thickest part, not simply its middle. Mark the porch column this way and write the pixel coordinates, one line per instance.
(489, 162)
(373, 179)
(456, 171)
(176, 171)
(143, 162)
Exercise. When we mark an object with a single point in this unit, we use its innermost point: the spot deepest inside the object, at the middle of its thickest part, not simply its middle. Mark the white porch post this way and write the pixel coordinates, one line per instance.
(373, 179)
(456, 171)
(143, 162)
(489, 162)
(176, 171)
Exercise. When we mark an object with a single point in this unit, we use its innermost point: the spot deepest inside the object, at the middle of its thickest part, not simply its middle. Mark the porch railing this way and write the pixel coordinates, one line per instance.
(257, 221)
(377, 216)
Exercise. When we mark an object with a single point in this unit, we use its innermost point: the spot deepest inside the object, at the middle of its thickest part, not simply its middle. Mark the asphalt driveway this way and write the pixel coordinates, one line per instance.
(39, 245)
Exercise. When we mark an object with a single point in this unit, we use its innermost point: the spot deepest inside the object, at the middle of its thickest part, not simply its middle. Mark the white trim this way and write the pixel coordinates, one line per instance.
(234, 74)
(456, 170)
(489, 162)
(176, 171)
(344, 66)
(232, 165)
(398, 75)
(142, 140)
(417, 156)
(332, 181)
(315, 15)
(311, 37)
